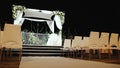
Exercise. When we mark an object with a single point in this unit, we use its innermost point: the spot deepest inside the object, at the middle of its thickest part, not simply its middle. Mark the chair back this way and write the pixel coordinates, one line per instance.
(12, 36)
(85, 42)
(67, 43)
(114, 40)
(76, 41)
(104, 40)
(1, 38)
(93, 39)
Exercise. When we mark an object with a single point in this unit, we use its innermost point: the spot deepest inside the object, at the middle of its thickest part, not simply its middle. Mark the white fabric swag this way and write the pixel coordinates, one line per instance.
(54, 39)
(28, 13)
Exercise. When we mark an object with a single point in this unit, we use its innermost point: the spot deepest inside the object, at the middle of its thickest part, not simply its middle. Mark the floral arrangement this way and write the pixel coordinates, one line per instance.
(61, 14)
(22, 8)
(16, 8)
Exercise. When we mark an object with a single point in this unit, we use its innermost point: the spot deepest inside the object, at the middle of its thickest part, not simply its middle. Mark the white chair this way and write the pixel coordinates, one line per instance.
(113, 45)
(93, 43)
(119, 48)
(66, 46)
(84, 45)
(1, 39)
(12, 38)
(75, 45)
(104, 43)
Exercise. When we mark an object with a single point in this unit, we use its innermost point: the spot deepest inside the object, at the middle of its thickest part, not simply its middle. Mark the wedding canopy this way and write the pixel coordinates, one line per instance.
(42, 15)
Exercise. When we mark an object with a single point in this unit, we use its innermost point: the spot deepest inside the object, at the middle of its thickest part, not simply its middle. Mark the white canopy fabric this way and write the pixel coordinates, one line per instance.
(19, 20)
(37, 14)
(58, 22)
(51, 25)
(44, 15)
(54, 39)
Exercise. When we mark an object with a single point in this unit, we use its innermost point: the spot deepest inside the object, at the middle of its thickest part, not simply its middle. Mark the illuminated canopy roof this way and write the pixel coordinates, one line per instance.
(39, 16)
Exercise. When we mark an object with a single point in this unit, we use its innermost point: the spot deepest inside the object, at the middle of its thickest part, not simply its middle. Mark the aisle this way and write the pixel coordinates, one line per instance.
(61, 62)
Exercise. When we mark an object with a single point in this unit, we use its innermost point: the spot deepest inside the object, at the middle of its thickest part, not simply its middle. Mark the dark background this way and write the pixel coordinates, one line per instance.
(78, 21)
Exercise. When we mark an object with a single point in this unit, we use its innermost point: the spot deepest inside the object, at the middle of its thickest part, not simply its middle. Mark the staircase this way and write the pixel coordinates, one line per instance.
(41, 50)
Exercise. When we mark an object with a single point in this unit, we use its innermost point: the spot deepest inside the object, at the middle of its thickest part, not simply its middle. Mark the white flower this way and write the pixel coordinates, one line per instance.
(16, 8)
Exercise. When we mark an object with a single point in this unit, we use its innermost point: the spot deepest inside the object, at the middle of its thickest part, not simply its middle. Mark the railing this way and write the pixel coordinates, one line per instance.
(34, 39)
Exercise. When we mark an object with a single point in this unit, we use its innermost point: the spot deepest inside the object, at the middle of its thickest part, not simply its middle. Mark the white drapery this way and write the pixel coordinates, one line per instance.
(37, 14)
(54, 39)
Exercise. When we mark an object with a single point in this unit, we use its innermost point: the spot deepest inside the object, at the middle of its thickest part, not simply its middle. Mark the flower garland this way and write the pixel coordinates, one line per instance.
(16, 8)
(22, 8)
(61, 14)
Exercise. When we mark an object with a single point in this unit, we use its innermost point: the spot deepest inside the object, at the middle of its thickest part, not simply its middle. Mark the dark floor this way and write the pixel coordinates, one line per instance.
(105, 59)
(11, 62)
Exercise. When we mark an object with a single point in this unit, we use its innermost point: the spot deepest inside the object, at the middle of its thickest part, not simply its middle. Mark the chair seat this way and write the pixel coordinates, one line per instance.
(11, 44)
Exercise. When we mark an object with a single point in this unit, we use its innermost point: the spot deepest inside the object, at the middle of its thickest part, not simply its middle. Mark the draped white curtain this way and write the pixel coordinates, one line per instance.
(58, 22)
(54, 39)
(19, 20)
(51, 25)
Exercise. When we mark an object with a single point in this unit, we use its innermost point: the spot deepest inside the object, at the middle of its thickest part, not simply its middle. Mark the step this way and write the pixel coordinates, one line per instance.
(41, 54)
(42, 48)
(42, 51)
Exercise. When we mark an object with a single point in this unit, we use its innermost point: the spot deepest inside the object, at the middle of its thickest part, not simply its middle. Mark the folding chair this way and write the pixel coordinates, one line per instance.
(12, 38)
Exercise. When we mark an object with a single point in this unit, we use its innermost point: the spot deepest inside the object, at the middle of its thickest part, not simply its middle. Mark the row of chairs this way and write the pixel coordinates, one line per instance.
(10, 38)
(103, 42)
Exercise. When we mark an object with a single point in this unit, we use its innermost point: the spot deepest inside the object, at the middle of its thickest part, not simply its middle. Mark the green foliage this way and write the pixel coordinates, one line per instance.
(15, 8)
(34, 38)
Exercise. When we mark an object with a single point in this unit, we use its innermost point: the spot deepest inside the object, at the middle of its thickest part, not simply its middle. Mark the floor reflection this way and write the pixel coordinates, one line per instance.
(10, 62)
